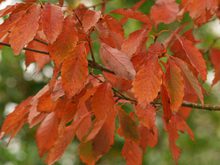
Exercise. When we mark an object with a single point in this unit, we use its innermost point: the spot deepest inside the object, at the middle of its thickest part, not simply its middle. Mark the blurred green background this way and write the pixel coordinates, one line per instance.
(18, 82)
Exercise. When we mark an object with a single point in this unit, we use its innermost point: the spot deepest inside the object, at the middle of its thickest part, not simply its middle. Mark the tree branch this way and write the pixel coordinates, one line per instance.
(200, 106)
(26, 48)
(94, 65)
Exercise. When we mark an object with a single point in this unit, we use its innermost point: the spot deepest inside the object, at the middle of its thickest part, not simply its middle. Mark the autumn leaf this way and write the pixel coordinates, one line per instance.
(47, 133)
(177, 124)
(189, 51)
(215, 59)
(90, 18)
(128, 128)
(174, 84)
(25, 29)
(65, 136)
(36, 57)
(74, 71)
(190, 78)
(148, 81)
(133, 14)
(110, 32)
(118, 61)
(15, 120)
(132, 153)
(65, 43)
(134, 42)
(164, 11)
(52, 21)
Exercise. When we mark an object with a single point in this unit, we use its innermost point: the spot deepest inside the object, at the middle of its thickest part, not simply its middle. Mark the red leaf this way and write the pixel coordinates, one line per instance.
(65, 43)
(132, 153)
(102, 101)
(148, 130)
(117, 61)
(15, 120)
(7, 10)
(47, 133)
(87, 154)
(133, 14)
(15, 16)
(148, 81)
(215, 59)
(110, 31)
(135, 42)
(189, 51)
(90, 18)
(190, 78)
(91, 151)
(74, 71)
(128, 127)
(200, 10)
(86, 124)
(25, 29)
(66, 135)
(105, 137)
(174, 84)
(177, 124)
(52, 21)
(40, 60)
(45, 103)
(164, 11)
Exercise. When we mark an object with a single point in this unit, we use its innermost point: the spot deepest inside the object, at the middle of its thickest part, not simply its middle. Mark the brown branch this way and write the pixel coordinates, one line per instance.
(94, 65)
(26, 48)
(200, 106)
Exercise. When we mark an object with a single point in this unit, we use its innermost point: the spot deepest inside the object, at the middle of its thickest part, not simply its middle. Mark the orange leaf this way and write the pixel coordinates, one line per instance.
(25, 29)
(74, 71)
(128, 127)
(135, 42)
(65, 136)
(103, 101)
(47, 133)
(133, 14)
(52, 21)
(174, 84)
(90, 18)
(117, 61)
(189, 51)
(177, 123)
(164, 11)
(65, 43)
(148, 81)
(132, 153)
(194, 83)
(15, 120)
(40, 60)
(215, 59)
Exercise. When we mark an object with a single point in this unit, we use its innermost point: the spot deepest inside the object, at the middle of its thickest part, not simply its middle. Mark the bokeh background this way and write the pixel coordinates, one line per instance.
(18, 82)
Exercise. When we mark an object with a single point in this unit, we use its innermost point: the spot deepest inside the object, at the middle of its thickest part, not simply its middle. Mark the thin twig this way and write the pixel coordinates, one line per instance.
(26, 48)
(200, 106)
